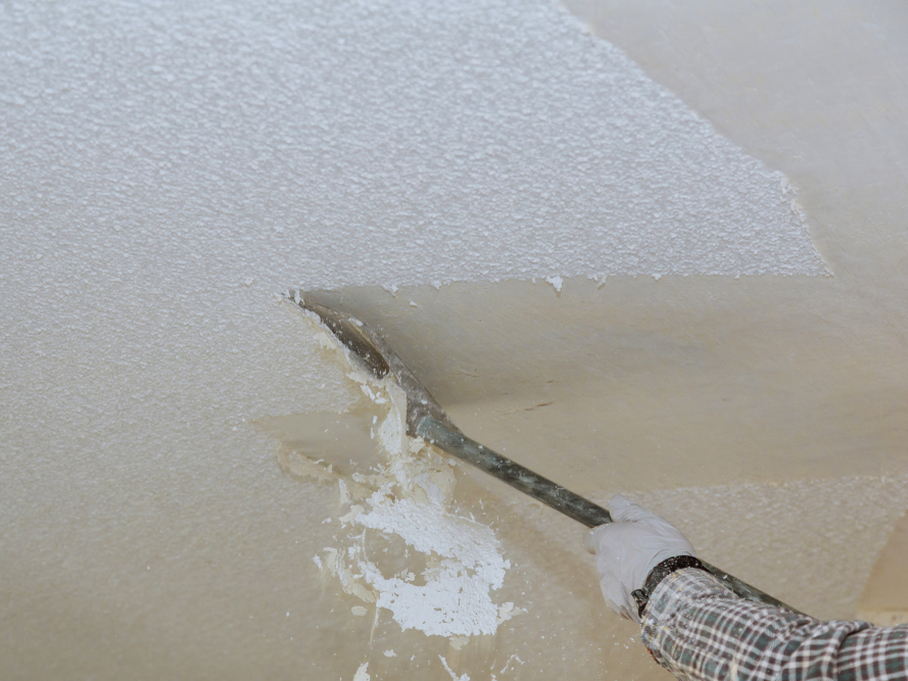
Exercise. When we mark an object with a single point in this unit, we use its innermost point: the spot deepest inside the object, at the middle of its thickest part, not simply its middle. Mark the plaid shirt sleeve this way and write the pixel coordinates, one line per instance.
(701, 631)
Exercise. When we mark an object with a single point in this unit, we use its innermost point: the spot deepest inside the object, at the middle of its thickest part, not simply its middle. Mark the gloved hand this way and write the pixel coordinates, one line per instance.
(628, 549)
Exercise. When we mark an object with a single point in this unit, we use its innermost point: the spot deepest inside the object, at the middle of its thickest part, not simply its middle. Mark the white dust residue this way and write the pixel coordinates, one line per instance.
(556, 282)
(508, 665)
(361, 673)
(453, 675)
(451, 564)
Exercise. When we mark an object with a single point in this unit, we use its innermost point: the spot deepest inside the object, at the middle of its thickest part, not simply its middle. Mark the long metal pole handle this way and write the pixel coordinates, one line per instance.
(554, 495)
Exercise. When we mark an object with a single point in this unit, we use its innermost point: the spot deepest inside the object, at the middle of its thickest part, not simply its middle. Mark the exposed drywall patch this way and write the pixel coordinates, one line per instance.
(334, 144)
(402, 548)
(886, 590)
(884, 618)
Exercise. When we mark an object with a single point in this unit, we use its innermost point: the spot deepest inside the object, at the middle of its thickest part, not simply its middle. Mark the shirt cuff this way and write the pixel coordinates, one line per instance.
(671, 598)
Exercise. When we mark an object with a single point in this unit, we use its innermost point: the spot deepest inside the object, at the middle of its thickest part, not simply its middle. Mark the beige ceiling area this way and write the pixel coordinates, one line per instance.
(657, 248)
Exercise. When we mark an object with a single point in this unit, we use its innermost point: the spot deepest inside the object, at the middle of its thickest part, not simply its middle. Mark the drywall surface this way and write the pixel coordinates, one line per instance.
(341, 143)
(885, 598)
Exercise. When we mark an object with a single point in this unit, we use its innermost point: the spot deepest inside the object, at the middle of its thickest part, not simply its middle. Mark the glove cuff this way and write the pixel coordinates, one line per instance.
(660, 572)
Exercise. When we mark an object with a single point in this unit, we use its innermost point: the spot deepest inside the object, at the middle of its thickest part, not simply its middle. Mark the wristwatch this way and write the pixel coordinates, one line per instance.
(660, 572)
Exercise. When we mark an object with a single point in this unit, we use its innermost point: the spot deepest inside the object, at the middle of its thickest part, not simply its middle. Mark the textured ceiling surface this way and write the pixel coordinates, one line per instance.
(167, 167)
(343, 142)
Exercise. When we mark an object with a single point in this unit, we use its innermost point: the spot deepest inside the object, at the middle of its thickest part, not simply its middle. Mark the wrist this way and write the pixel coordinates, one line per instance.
(657, 574)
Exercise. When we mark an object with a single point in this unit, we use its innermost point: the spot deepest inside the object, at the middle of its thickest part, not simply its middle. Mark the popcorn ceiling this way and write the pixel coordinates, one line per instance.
(407, 495)
(327, 144)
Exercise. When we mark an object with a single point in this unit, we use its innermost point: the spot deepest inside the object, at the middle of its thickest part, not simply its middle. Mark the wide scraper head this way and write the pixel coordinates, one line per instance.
(377, 357)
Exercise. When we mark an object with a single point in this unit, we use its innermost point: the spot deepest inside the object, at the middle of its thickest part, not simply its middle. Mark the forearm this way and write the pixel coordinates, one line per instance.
(701, 631)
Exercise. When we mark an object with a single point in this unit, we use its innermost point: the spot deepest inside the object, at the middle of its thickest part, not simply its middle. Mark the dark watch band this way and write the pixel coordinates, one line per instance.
(660, 572)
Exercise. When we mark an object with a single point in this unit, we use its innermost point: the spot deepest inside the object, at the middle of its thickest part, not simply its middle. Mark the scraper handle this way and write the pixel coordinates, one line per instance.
(554, 495)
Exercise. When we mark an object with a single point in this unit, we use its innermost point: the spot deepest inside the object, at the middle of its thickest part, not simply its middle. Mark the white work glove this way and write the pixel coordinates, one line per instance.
(628, 549)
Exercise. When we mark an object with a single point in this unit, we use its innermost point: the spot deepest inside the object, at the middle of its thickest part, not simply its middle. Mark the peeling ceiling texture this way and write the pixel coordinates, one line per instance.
(346, 141)
(655, 248)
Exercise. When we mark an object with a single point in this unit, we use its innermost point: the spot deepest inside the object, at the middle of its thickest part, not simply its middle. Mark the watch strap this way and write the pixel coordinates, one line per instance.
(660, 572)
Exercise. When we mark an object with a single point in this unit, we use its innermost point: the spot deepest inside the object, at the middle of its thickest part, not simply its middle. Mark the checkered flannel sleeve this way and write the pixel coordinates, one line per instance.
(700, 631)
